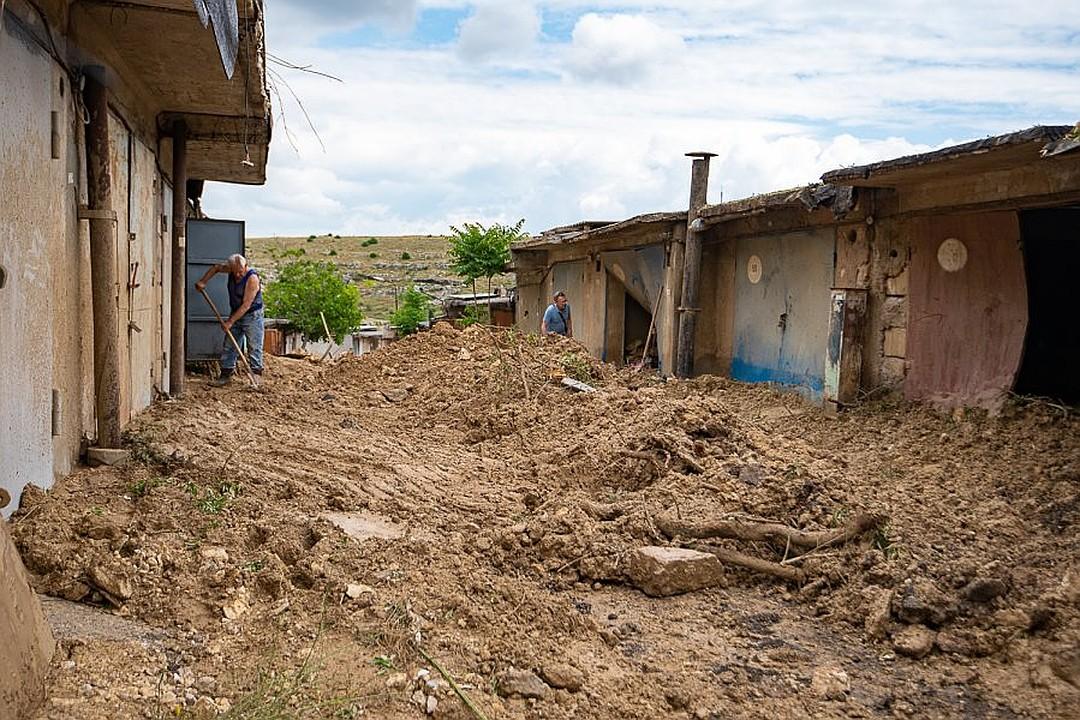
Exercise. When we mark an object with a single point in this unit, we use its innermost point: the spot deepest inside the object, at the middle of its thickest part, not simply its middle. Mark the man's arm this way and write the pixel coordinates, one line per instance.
(543, 326)
(200, 284)
(250, 291)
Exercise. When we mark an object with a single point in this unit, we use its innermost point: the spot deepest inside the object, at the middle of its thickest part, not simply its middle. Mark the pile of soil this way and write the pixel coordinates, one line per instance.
(301, 547)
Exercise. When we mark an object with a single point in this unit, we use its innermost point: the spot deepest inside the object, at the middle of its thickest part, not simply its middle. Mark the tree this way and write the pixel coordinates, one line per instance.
(303, 289)
(479, 252)
(411, 313)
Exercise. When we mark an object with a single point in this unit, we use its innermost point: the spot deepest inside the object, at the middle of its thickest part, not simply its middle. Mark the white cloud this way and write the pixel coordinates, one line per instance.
(621, 48)
(498, 27)
(596, 125)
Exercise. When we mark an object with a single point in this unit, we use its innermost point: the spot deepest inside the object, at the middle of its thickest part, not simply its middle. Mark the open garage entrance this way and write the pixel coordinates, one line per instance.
(1051, 363)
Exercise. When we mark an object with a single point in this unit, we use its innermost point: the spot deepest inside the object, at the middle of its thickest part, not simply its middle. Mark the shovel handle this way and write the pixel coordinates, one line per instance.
(228, 332)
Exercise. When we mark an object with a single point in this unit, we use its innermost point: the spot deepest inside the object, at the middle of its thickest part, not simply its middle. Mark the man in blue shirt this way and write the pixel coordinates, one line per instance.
(245, 320)
(557, 317)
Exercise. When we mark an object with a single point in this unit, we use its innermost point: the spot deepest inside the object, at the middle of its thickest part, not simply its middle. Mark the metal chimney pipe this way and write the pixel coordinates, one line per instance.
(695, 228)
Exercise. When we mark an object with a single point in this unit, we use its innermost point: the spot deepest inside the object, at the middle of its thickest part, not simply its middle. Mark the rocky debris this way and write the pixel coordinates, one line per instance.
(983, 590)
(397, 681)
(363, 594)
(662, 571)
(237, 606)
(431, 704)
(878, 612)
(920, 602)
(914, 641)
(395, 394)
(103, 527)
(830, 682)
(522, 683)
(214, 553)
(563, 675)
(111, 581)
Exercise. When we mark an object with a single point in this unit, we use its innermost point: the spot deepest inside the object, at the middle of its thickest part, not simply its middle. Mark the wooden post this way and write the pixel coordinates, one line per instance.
(103, 278)
(699, 185)
(179, 260)
(668, 329)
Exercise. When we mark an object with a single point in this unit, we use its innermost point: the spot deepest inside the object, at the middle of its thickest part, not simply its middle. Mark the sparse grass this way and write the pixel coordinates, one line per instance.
(883, 541)
(383, 663)
(142, 487)
(215, 500)
(406, 256)
(577, 367)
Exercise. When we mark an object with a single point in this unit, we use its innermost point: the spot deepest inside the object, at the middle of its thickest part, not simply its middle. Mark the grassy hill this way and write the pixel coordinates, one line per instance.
(381, 266)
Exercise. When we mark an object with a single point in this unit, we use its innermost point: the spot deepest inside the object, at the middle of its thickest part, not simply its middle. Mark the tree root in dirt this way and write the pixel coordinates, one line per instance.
(732, 557)
(674, 527)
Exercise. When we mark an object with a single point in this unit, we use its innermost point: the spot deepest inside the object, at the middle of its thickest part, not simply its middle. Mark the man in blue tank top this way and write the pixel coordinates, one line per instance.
(245, 320)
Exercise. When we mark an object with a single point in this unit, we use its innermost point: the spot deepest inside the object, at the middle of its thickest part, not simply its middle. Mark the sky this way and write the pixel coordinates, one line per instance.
(558, 111)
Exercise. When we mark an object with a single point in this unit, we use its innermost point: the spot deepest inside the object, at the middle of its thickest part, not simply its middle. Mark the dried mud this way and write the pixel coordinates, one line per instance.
(491, 510)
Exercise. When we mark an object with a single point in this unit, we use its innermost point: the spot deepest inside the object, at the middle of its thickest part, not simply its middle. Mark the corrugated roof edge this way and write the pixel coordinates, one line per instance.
(566, 234)
(1038, 133)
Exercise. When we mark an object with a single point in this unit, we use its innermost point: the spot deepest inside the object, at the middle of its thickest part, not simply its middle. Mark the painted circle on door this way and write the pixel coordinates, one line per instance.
(952, 255)
(753, 269)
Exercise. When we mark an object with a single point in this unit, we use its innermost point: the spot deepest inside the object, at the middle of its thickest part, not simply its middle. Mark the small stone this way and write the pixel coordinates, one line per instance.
(830, 682)
(236, 607)
(168, 697)
(110, 580)
(357, 591)
(597, 585)
(878, 612)
(522, 683)
(106, 456)
(397, 681)
(205, 707)
(919, 601)
(419, 698)
(677, 699)
(206, 683)
(955, 643)
(213, 552)
(68, 665)
(915, 641)
(662, 571)
(396, 394)
(563, 675)
(983, 590)
(432, 703)
(87, 690)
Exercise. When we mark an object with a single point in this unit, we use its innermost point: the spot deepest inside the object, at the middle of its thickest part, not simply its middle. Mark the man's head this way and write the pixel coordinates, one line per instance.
(560, 299)
(237, 265)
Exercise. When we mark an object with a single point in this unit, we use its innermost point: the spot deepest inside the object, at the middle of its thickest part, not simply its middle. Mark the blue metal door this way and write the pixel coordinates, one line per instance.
(782, 302)
(209, 242)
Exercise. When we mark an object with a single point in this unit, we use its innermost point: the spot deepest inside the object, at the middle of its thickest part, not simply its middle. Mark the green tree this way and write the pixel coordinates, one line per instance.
(412, 311)
(479, 252)
(304, 288)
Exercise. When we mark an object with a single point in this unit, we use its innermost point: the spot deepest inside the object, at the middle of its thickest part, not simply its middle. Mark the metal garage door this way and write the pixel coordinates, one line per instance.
(782, 285)
(209, 242)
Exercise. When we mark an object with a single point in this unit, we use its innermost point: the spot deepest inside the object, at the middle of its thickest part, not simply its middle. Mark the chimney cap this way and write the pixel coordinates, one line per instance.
(701, 154)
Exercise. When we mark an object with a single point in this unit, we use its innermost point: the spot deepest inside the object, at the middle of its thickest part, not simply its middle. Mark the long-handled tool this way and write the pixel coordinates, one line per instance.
(228, 332)
(652, 324)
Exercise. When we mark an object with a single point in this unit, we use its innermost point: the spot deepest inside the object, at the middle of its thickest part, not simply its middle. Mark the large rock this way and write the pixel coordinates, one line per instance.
(563, 675)
(111, 580)
(920, 602)
(662, 571)
(522, 683)
(914, 641)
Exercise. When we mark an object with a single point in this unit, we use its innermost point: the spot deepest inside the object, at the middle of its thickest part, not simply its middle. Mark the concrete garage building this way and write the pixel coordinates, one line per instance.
(108, 109)
(944, 276)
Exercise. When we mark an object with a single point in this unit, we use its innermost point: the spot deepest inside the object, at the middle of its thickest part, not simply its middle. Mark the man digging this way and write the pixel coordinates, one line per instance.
(246, 315)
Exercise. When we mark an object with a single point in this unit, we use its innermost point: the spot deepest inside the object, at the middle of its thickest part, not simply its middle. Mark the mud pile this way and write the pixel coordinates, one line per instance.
(288, 545)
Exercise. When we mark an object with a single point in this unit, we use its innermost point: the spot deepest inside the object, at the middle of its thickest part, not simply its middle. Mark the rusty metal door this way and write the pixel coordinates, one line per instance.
(782, 302)
(967, 308)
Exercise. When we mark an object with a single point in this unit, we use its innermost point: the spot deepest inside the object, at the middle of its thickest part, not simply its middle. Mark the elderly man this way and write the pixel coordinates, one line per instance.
(557, 319)
(246, 316)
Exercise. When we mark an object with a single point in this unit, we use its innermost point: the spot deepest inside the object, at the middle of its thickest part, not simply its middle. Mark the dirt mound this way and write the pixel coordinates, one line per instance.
(286, 546)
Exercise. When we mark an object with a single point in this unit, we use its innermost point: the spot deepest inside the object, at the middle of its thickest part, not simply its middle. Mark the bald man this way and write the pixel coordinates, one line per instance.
(246, 318)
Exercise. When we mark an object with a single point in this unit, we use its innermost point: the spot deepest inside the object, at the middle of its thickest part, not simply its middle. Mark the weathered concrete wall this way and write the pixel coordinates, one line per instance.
(26, 645)
(32, 184)
(715, 327)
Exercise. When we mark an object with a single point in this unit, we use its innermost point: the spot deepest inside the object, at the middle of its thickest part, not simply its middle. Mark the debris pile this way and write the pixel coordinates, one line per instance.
(335, 544)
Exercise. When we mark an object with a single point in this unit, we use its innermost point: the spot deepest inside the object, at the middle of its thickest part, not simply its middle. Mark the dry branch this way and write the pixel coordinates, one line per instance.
(768, 532)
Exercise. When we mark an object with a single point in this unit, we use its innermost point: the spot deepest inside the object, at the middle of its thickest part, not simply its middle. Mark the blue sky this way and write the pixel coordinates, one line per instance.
(556, 110)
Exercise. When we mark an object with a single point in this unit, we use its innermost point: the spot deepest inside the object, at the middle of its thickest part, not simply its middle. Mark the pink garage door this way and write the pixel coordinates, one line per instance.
(968, 308)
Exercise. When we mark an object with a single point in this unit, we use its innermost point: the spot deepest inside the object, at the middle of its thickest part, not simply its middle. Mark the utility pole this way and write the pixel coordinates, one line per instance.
(695, 228)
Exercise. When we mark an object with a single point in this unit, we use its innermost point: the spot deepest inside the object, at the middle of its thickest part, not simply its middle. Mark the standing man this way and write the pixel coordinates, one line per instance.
(246, 318)
(557, 319)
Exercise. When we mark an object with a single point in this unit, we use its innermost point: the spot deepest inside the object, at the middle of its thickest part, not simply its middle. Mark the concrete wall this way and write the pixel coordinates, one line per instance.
(26, 645)
(46, 322)
(716, 325)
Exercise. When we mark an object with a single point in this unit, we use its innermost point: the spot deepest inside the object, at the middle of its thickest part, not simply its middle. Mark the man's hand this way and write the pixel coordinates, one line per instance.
(200, 285)
(228, 325)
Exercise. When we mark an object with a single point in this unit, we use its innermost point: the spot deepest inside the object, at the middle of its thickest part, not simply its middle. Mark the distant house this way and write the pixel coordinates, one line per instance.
(946, 276)
(113, 115)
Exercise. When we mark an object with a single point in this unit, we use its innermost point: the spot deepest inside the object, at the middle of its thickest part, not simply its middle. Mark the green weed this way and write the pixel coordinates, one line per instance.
(215, 500)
